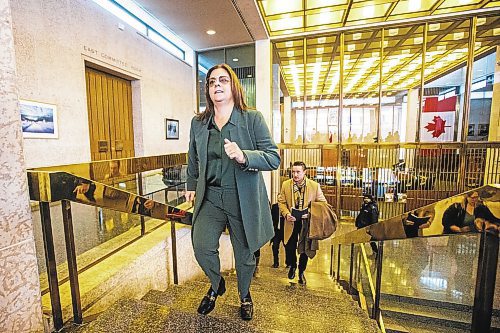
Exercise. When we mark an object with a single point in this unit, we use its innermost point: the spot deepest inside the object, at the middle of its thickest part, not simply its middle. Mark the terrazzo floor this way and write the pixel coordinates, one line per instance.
(280, 305)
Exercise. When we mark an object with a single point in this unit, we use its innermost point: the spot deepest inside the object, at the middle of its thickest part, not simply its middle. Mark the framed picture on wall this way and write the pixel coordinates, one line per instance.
(483, 129)
(471, 130)
(38, 120)
(172, 129)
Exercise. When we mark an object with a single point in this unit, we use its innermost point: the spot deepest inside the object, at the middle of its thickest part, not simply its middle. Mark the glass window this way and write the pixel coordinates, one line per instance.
(206, 60)
(361, 86)
(447, 48)
(401, 79)
(483, 74)
(241, 59)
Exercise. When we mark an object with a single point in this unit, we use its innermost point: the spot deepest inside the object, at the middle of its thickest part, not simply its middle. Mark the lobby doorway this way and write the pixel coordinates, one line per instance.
(109, 103)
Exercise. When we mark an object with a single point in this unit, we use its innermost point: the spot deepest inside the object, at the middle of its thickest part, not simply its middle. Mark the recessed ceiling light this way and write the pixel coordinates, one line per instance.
(236, 59)
(434, 27)
(481, 20)
(210, 32)
(249, 75)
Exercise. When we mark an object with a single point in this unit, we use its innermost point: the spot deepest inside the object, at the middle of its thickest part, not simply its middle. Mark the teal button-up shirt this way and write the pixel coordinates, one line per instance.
(220, 168)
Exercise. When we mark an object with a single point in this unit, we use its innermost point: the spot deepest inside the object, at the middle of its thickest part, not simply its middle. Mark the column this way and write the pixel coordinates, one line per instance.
(263, 79)
(411, 115)
(20, 303)
(492, 159)
(289, 120)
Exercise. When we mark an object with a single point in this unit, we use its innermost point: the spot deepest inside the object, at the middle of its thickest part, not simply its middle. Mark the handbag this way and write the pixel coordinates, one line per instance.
(322, 220)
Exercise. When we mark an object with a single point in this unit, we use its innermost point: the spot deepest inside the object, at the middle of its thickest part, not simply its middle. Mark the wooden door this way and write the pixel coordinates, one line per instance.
(109, 101)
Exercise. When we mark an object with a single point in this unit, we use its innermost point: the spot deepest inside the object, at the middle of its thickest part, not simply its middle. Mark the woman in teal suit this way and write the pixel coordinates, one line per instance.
(229, 146)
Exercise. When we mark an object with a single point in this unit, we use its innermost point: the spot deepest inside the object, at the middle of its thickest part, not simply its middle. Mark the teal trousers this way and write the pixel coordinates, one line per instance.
(219, 209)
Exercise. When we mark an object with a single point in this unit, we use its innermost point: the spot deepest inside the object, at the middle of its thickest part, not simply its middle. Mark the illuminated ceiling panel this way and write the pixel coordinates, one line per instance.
(273, 7)
(446, 48)
(282, 17)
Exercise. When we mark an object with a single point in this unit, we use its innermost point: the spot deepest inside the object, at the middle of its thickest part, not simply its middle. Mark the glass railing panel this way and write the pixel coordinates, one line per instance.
(92, 227)
(345, 259)
(440, 269)
(431, 277)
(364, 278)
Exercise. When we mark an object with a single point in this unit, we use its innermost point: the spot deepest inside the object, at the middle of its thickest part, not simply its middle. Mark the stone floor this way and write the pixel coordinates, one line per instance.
(281, 305)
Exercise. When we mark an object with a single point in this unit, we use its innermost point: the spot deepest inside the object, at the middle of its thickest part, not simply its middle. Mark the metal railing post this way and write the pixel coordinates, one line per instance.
(485, 283)
(331, 260)
(139, 184)
(378, 282)
(338, 264)
(351, 268)
(50, 261)
(72, 265)
(174, 251)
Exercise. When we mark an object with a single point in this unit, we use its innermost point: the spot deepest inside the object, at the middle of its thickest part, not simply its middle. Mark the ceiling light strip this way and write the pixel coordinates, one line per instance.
(405, 22)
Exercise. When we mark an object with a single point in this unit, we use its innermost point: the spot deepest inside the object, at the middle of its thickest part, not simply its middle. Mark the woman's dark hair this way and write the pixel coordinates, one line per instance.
(300, 163)
(468, 195)
(236, 89)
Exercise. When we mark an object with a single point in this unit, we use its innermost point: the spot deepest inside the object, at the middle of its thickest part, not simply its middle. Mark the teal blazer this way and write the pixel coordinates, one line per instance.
(254, 139)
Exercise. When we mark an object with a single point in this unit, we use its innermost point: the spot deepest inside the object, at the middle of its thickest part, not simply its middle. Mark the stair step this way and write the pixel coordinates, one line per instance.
(130, 315)
(280, 306)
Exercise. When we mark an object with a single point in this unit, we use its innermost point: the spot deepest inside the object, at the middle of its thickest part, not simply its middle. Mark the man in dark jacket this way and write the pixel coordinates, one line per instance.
(368, 214)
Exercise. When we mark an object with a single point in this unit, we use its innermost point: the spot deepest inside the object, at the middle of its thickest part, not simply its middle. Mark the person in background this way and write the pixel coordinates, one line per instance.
(293, 200)
(469, 215)
(229, 147)
(278, 234)
(368, 215)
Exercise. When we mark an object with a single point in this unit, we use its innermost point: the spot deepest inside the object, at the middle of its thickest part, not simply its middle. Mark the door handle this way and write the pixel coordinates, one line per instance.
(118, 145)
(102, 146)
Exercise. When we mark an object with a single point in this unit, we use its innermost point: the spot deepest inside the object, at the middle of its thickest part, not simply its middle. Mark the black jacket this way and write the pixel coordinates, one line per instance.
(368, 214)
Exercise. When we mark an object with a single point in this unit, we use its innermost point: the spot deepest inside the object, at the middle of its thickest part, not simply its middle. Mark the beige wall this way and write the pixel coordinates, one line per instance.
(20, 307)
(52, 41)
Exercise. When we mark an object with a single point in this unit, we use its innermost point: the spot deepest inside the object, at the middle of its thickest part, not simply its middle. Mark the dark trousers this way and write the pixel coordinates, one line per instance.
(291, 249)
(275, 245)
(219, 209)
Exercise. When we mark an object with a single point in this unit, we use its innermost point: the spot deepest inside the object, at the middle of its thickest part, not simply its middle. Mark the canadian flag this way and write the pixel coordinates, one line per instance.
(438, 119)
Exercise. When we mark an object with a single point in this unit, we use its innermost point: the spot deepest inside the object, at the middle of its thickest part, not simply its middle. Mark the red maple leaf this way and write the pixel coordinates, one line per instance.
(436, 127)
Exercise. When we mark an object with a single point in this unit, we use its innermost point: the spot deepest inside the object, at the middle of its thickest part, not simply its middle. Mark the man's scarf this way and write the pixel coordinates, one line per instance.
(298, 193)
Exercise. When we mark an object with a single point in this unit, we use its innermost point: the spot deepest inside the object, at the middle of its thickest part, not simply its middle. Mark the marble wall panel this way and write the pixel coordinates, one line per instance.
(20, 309)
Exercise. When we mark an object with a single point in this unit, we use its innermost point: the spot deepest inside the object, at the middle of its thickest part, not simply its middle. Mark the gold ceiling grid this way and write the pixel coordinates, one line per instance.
(288, 17)
(446, 47)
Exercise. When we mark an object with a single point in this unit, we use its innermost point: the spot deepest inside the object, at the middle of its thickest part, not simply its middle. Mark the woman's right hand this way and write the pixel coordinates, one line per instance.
(190, 195)
(290, 218)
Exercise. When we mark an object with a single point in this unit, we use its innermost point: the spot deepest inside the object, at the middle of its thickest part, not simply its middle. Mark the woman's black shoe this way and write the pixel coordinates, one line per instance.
(291, 273)
(246, 309)
(208, 302)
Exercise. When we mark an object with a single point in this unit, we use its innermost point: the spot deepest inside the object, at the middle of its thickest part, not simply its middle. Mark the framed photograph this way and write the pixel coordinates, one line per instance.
(39, 120)
(483, 129)
(471, 130)
(172, 129)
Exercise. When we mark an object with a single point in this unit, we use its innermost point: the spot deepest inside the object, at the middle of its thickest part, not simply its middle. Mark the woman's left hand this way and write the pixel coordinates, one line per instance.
(233, 151)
